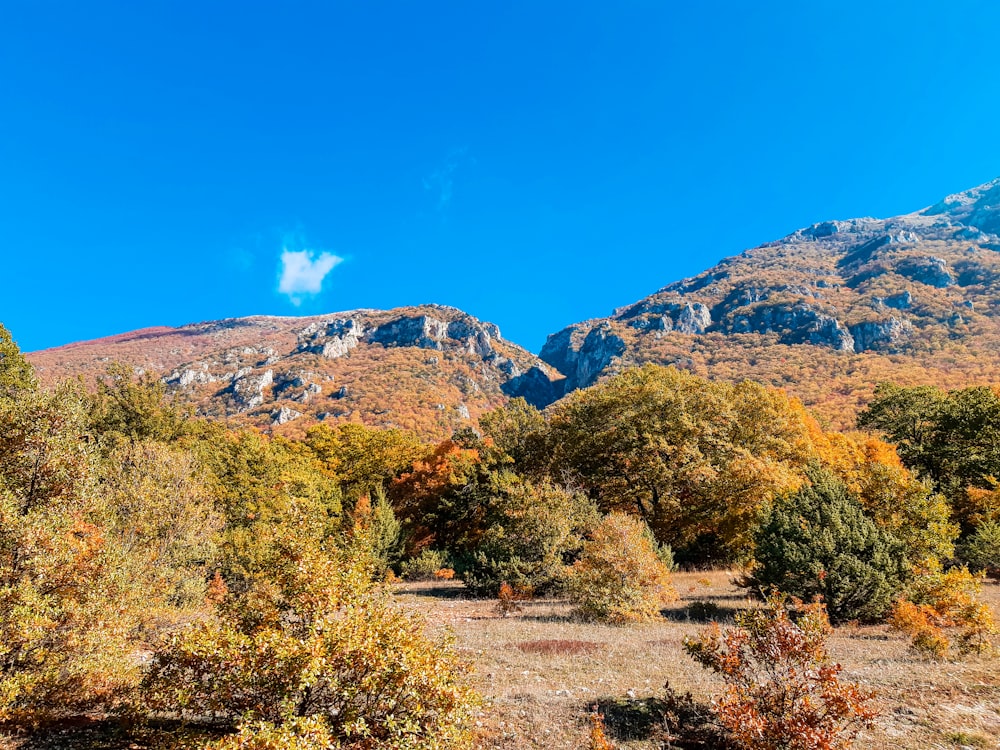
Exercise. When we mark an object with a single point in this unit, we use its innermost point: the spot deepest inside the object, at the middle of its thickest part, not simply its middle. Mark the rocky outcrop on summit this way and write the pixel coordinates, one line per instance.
(861, 298)
(331, 339)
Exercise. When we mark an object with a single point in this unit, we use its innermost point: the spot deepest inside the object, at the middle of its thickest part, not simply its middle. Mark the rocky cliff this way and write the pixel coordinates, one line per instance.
(824, 312)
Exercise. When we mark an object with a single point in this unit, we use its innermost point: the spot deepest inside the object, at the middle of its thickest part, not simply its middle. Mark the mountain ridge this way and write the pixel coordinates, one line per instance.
(825, 313)
(913, 297)
(441, 367)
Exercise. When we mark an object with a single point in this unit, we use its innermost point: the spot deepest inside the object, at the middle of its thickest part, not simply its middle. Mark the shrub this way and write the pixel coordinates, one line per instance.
(982, 550)
(598, 738)
(509, 599)
(782, 690)
(338, 661)
(530, 530)
(938, 602)
(619, 578)
(424, 566)
(819, 542)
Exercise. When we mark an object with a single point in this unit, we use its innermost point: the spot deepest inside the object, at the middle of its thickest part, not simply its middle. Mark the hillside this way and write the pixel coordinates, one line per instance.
(431, 369)
(825, 313)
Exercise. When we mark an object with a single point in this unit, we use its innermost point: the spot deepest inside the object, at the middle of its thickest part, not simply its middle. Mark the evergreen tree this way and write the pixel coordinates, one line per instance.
(819, 542)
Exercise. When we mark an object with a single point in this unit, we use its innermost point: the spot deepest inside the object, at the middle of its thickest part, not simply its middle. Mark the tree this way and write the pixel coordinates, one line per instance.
(16, 373)
(128, 408)
(363, 459)
(69, 609)
(696, 460)
(619, 577)
(819, 542)
(531, 531)
(519, 431)
(443, 500)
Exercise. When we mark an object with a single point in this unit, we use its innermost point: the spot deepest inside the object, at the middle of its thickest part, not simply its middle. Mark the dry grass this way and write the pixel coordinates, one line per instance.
(538, 695)
(541, 671)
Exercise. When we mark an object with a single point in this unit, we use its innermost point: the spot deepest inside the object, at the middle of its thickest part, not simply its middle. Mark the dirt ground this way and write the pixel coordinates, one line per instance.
(538, 693)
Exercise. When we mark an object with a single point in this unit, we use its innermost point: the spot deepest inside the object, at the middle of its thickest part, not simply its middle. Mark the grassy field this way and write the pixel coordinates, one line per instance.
(540, 671)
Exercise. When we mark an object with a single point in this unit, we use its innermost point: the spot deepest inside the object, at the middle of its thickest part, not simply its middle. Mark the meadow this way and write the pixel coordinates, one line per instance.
(541, 671)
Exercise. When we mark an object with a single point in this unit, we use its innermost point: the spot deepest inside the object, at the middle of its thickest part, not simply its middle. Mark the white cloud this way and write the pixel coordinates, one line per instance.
(303, 272)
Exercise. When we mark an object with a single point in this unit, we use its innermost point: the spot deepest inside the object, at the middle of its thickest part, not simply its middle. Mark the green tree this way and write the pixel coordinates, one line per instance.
(696, 460)
(531, 531)
(819, 542)
(129, 408)
(519, 432)
(16, 373)
(363, 459)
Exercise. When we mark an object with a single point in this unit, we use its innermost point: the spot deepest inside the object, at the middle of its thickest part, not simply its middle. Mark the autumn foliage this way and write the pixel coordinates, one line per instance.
(783, 692)
(943, 613)
(619, 578)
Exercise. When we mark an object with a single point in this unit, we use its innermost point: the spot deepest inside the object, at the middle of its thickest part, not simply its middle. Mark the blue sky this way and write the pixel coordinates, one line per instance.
(533, 163)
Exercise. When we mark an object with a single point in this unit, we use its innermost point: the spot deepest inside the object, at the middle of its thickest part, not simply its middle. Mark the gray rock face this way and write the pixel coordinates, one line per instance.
(475, 339)
(683, 317)
(534, 387)
(797, 324)
(900, 301)
(188, 376)
(248, 389)
(930, 270)
(883, 335)
(582, 366)
(284, 415)
(693, 319)
(596, 353)
(423, 331)
(559, 351)
(333, 339)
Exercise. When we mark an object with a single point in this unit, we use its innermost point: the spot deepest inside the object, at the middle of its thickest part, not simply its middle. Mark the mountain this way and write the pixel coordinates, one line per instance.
(431, 368)
(825, 313)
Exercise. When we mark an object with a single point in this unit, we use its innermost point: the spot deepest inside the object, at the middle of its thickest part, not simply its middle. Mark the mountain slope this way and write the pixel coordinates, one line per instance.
(825, 313)
(431, 368)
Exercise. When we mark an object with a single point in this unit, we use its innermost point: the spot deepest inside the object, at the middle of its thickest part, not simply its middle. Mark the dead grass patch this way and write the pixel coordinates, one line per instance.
(558, 646)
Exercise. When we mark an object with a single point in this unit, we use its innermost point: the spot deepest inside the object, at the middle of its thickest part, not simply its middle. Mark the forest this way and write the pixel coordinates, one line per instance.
(209, 586)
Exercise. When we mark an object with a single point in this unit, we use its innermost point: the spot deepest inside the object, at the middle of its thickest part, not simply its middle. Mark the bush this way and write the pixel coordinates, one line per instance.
(531, 530)
(424, 566)
(619, 578)
(819, 542)
(338, 661)
(982, 550)
(938, 602)
(782, 690)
